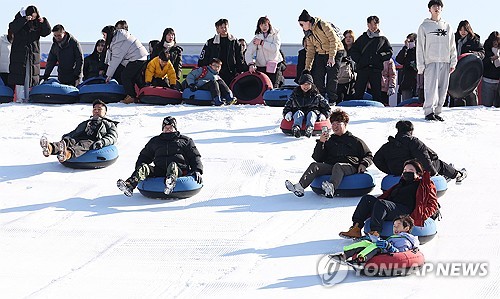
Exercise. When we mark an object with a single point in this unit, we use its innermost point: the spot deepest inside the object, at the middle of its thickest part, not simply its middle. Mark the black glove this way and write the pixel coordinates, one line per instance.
(193, 87)
(197, 176)
(98, 144)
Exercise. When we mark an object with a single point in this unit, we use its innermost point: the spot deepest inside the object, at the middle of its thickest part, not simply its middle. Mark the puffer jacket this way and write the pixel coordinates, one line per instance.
(107, 131)
(174, 55)
(306, 102)
(268, 51)
(5, 46)
(171, 147)
(426, 202)
(69, 59)
(195, 76)
(343, 149)
(370, 51)
(124, 48)
(154, 70)
(322, 40)
(388, 75)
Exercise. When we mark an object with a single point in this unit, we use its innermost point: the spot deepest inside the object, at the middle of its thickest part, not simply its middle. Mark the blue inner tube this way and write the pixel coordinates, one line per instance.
(96, 88)
(198, 98)
(424, 233)
(409, 102)
(439, 181)
(52, 92)
(353, 185)
(277, 97)
(6, 94)
(153, 187)
(360, 103)
(94, 159)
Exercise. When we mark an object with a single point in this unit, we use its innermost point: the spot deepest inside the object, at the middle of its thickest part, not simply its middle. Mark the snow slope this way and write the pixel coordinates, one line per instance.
(72, 234)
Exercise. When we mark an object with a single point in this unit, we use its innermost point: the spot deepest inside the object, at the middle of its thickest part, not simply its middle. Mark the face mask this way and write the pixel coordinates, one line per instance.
(411, 45)
(408, 176)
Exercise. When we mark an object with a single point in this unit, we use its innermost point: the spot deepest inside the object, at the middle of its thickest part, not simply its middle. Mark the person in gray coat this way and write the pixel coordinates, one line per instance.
(94, 133)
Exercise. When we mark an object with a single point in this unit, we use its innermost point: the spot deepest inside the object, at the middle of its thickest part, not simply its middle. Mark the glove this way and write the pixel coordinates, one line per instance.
(98, 144)
(197, 176)
(193, 87)
(384, 244)
(391, 91)
(322, 117)
(361, 168)
(288, 116)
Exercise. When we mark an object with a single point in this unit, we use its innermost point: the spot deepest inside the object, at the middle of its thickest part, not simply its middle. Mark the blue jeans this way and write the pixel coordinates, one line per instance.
(298, 118)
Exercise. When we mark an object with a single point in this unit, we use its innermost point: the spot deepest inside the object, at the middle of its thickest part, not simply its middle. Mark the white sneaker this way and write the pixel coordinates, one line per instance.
(328, 188)
(297, 189)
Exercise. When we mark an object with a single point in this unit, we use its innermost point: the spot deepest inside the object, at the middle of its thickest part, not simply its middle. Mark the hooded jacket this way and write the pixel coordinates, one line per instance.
(343, 149)
(69, 59)
(124, 48)
(322, 40)
(154, 70)
(307, 101)
(94, 63)
(268, 51)
(5, 47)
(26, 48)
(436, 43)
(170, 147)
(370, 50)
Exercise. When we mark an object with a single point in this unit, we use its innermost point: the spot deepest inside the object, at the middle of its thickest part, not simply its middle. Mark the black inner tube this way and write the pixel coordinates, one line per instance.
(248, 88)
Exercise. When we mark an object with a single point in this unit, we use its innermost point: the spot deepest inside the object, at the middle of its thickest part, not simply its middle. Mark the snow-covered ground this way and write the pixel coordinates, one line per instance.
(72, 234)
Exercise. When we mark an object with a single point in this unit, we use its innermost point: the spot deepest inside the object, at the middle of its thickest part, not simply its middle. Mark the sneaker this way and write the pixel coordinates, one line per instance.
(328, 188)
(462, 174)
(125, 187)
(430, 117)
(170, 182)
(46, 147)
(231, 101)
(63, 153)
(296, 131)
(309, 132)
(297, 189)
(437, 117)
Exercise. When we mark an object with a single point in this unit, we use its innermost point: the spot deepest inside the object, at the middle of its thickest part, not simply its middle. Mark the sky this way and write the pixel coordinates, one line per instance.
(194, 22)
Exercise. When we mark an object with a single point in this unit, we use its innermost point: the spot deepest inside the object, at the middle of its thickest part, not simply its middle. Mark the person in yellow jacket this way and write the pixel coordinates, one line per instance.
(323, 54)
(160, 72)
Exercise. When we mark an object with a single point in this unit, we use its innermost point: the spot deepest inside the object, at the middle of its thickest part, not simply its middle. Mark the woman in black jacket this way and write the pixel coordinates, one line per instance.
(94, 65)
(169, 46)
(490, 90)
(24, 69)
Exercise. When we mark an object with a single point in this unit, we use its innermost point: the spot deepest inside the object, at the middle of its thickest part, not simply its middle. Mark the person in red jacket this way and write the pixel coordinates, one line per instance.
(414, 195)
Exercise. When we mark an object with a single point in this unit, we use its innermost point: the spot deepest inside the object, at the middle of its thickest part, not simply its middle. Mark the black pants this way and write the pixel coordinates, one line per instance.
(217, 88)
(374, 76)
(320, 70)
(5, 79)
(272, 76)
(159, 82)
(345, 91)
(226, 75)
(379, 210)
(444, 169)
(130, 76)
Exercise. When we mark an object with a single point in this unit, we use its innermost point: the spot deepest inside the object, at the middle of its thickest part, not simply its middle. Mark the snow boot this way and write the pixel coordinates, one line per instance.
(217, 101)
(354, 232)
(64, 154)
(296, 131)
(127, 187)
(297, 189)
(328, 188)
(309, 131)
(46, 146)
(171, 177)
(461, 175)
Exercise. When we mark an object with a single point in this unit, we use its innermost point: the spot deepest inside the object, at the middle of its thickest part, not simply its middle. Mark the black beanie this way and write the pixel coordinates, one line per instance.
(404, 126)
(306, 78)
(305, 17)
(169, 120)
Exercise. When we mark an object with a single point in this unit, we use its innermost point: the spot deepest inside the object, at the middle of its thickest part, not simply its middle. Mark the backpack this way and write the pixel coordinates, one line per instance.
(346, 71)
(335, 29)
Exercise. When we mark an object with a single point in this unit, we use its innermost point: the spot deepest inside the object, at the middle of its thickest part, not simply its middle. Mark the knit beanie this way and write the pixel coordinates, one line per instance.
(305, 17)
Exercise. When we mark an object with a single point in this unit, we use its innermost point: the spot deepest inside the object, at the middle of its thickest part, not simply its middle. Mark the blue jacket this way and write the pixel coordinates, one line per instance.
(195, 76)
(403, 241)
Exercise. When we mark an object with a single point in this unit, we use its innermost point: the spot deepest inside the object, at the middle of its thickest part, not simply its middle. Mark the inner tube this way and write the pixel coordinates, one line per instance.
(249, 88)
(277, 97)
(439, 181)
(53, 92)
(94, 159)
(286, 127)
(96, 88)
(198, 98)
(159, 95)
(424, 233)
(360, 103)
(6, 94)
(186, 186)
(354, 185)
(413, 102)
(466, 76)
(394, 264)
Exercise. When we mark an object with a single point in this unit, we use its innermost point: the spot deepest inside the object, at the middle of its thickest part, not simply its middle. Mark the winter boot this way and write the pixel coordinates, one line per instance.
(354, 232)
(64, 154)
(171, 178)
(128, 100)
(297, 189)
(217, 101)
(296, 131)
(328, 188)
(127, 187)
(309, 131)
(461, 175)
(46, 146)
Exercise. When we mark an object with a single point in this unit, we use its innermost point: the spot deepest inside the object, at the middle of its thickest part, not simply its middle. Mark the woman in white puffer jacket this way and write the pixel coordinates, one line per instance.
(5, 44)
(265, 49)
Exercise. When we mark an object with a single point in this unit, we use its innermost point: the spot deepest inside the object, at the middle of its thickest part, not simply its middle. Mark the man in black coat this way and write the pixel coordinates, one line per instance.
(225, 47)
(369, 52)
(173, 155)
(24, 69)
(390, 158)
(66, 52)
(338, 155)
